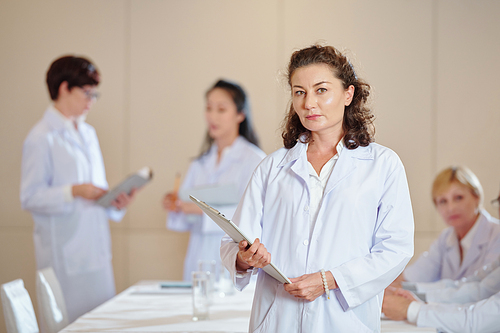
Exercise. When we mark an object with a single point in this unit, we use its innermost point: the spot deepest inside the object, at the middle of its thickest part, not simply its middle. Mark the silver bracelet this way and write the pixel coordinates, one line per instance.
(325, 284)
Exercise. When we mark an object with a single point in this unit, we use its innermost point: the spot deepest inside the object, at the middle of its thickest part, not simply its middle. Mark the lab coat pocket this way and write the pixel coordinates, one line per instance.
(366, 315)
(265, 305)
(87, 249)
(269, 316)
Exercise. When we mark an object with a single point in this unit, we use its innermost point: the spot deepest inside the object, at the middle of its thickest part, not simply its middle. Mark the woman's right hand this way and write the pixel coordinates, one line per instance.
(255, 256)
(87, 191)
(171, 202)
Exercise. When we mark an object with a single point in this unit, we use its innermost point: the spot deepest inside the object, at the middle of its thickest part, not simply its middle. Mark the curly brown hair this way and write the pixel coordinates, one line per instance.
(358, 118)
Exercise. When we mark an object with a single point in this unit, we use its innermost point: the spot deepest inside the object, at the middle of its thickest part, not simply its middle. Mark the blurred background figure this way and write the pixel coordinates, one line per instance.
(62, 176)
(473, 237)
(470, 304)
(229, 155)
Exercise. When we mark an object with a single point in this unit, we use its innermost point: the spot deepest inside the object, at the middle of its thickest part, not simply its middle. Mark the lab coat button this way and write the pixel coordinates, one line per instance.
(306, 242)
(306, 208)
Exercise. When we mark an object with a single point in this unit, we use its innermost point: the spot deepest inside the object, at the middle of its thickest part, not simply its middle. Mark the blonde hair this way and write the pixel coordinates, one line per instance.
(461, 175)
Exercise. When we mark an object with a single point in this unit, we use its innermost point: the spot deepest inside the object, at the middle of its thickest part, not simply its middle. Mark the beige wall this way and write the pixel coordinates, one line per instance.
(432, 64)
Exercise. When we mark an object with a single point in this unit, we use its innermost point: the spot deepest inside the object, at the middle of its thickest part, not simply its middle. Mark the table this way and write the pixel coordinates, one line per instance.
(145, 307)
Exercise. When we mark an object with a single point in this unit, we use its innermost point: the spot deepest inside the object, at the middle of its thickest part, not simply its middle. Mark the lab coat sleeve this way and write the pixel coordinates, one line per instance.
(464, 318)
(392, 245)
(427, 268)
(37, 194)
(115, 214)
(424, 287)
(468, 292)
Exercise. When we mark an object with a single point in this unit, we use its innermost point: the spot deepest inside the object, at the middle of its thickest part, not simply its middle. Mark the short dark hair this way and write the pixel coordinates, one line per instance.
(242, 106)
(77, 71)
(358, 118)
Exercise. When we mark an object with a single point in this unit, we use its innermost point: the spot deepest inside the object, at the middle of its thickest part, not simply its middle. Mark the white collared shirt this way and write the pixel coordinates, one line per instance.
(317, 184)
(466, 242)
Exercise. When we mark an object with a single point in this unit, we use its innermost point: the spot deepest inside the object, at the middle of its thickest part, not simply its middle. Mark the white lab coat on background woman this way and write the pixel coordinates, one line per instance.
(71, 235)
(236, 165)
(363, 234)
(442, 261)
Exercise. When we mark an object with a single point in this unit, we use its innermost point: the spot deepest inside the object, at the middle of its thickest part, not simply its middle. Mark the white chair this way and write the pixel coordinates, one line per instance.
(53, 314)
(18, 309)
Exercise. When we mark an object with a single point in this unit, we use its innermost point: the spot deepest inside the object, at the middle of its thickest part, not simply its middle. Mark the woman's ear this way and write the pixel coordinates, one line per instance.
(349, 94)
(63, 89)
(241, 117)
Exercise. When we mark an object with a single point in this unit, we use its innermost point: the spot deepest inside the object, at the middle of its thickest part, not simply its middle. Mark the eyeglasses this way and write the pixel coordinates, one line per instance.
(496, 202)
(91, 94)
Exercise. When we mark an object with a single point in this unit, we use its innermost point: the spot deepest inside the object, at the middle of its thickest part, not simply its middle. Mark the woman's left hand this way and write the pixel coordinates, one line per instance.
(124, 199)
(308, 286)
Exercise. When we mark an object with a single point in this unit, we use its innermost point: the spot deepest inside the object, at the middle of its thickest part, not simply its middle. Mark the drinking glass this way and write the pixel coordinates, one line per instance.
(209, 267)
(200, 296)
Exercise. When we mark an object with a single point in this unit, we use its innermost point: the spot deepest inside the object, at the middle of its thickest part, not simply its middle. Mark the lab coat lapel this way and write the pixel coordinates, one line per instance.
(452, 257)
(481, 238)
(57, 124)
(85, 135)
(346, 164)
(298, 157)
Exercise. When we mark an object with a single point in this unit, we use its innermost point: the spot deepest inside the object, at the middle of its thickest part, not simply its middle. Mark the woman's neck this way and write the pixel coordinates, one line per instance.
(61, 107)
(223, 143)
(64, 109)
(324, 144)
(322, 148)
(462, 232)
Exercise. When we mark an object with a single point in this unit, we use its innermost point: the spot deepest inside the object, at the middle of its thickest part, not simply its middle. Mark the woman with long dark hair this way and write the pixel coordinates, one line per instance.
(228, 157)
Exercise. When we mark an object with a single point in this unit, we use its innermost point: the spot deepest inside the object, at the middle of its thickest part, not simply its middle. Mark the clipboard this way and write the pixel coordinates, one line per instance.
(136, 180)
(236, 234)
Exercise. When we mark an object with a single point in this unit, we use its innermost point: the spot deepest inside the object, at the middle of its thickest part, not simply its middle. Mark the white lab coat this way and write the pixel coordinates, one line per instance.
(484, 283)
(442, 261)
(72, 237)
(476, 317)
(363, 235)
(235, 168)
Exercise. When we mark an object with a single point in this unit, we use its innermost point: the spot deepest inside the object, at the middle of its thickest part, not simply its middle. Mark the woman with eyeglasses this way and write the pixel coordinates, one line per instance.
(62, 176)
(472, 238)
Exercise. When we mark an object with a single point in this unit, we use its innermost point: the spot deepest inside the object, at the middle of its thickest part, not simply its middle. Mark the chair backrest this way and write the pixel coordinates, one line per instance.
(54, 316)
(17, 308)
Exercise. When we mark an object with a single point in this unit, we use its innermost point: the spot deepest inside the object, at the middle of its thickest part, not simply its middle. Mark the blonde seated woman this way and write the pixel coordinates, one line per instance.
(472, 239)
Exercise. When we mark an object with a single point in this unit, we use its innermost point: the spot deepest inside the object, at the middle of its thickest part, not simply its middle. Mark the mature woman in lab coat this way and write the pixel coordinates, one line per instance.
(330, 201)
(228, 158)
(470, 304)
(62, 175)
(473, 237)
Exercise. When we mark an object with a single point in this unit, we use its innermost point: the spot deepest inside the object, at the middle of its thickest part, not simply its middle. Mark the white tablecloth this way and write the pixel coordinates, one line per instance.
(145, 307)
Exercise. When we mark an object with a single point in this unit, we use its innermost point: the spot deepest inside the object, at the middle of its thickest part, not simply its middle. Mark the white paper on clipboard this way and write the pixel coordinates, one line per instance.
(236, 234)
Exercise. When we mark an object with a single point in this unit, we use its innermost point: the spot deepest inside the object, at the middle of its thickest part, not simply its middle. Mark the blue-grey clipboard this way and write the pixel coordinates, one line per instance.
(236, 234)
